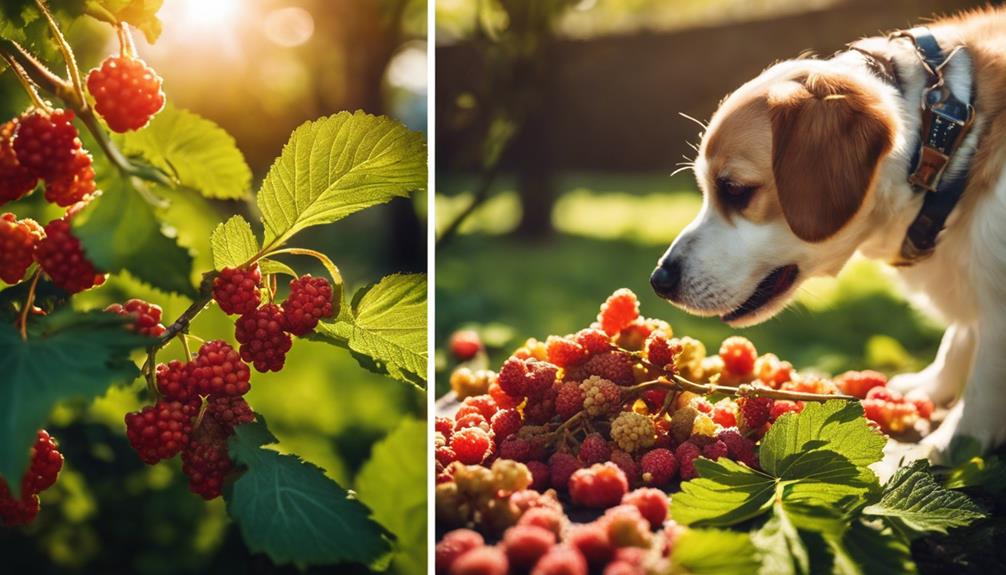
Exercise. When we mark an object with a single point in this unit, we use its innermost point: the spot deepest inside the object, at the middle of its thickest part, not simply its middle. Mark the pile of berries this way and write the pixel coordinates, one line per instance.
(264, 330)
(597, 420)
(45, 463)
(533, 533)
(200, 402)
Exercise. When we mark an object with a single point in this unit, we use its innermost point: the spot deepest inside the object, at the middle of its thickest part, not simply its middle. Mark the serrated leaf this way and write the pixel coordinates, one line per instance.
(385, 327)
(834, 425)
(714, 552)
(137, 242)
(197, 152)
(398, 499)
(288, 509)
(233, 243)
(919, 504)
(66, 356)
(725, 493)
(140, 13)
(335, 166)
(863, 550)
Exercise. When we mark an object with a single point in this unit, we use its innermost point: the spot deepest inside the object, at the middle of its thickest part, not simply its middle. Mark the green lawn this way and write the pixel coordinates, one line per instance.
(612, 229)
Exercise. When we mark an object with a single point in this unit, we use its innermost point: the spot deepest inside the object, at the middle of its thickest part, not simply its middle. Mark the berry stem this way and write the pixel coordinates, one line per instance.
(325, 261)
(185, 346)
(181, 325)
(63, 90)
(745, 390)
(67, 51)
(28, 303)
(126, 46)
(26, 82)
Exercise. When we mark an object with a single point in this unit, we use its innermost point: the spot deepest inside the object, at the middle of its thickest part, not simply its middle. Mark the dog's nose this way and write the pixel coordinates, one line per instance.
(666, 279)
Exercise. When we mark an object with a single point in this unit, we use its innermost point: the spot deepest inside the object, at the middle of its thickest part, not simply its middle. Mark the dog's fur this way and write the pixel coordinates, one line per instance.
(824, 147)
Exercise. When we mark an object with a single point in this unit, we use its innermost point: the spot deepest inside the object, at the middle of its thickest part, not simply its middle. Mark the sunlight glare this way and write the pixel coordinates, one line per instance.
(204, 14)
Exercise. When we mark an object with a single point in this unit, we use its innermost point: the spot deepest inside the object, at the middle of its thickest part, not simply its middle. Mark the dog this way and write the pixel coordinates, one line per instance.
(817, 159)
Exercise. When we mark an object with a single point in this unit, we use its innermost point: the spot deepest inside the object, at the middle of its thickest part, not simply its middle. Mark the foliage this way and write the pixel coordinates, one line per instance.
(139, 228)
(815, 505)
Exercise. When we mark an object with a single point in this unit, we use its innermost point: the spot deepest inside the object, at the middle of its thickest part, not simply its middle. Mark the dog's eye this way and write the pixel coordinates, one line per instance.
(734, 194)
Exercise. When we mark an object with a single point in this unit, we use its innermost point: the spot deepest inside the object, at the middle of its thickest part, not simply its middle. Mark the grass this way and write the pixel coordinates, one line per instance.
(611, 230)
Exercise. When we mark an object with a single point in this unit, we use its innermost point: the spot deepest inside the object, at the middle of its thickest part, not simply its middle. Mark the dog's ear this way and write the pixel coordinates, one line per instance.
(828, 136)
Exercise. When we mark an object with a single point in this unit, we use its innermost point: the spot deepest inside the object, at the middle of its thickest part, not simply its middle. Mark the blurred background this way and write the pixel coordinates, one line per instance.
(258, 68)
(558, 127)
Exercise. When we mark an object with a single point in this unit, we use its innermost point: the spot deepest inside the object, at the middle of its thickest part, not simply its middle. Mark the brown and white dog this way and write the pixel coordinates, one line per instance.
(807, 164)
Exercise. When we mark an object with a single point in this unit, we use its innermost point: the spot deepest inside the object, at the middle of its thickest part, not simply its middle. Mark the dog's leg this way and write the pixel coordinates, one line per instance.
(943, 379)
(980, 413)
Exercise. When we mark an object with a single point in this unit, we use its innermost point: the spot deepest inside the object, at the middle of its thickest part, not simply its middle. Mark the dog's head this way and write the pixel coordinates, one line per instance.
(786, 167)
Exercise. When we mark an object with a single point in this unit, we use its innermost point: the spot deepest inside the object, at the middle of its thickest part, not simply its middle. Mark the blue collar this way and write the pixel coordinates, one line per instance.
(946, 121)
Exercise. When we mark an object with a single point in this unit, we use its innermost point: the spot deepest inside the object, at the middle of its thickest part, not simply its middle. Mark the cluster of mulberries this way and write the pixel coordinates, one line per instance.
(264, 331)
(589, 420)
(44, 465)
(201, 401)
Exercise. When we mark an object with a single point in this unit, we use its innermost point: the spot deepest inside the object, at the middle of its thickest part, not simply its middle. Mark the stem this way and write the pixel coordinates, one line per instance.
(181, 325)
(64, 48)
(126, 46)
(63, 90)
(28, 303)
(745, 390)
(22, 77)
(325, 261)
(185, 346)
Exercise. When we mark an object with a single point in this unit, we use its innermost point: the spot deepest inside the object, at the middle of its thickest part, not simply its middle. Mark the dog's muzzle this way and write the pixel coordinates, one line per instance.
(666, 279)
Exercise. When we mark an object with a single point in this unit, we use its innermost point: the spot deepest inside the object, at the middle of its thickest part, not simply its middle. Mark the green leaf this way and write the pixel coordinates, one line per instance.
(835, 425)
(119, 231)
(233, 243)
(988, 473)
(914, 499)
(398, 499)
(715, 552)
(725, 493)
(66, 356)
(385, 327)
(288, 509)
(274, 267)
(863, 550)
(782, 550)
(140, 13)
(335, 166)
(197, 152)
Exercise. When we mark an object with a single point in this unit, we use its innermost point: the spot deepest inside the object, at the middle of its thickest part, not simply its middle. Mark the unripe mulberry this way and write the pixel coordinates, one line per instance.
(600, 396)
(632, 431)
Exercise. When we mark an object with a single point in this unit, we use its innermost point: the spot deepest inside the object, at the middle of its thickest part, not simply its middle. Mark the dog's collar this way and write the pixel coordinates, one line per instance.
(946, 121)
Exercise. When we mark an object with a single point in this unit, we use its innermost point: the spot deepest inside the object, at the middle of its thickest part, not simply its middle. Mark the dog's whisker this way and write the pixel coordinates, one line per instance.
(684, 168)
(701, 124)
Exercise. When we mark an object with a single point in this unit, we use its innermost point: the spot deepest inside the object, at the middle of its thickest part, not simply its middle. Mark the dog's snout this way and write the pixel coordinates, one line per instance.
(666, 279)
